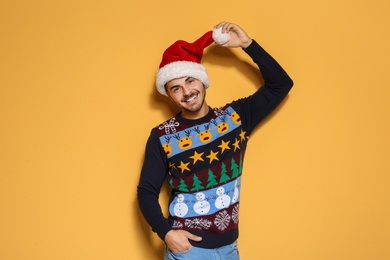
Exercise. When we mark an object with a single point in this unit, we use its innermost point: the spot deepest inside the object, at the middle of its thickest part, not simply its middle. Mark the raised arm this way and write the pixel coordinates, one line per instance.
(256, 107)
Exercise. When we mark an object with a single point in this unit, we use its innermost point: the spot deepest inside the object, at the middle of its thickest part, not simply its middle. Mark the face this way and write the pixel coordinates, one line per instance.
(188, 94)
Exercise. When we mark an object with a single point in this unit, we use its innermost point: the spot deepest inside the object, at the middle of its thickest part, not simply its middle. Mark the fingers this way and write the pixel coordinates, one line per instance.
(178, 240)
(193, 237)
(238, 37)
(226, 26)
(234, 29)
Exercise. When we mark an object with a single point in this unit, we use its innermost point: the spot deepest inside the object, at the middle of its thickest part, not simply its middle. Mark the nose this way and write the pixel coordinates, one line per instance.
(186, 89)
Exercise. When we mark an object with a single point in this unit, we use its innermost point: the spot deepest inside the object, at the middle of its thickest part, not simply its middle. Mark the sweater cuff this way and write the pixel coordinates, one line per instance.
(253, 47)
(163, 229)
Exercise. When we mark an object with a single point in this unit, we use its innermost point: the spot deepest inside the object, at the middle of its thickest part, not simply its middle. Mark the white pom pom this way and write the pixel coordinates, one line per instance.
(219, 37)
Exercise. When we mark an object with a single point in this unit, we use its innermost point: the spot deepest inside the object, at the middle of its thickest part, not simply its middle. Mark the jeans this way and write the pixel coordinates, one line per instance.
(229, 252)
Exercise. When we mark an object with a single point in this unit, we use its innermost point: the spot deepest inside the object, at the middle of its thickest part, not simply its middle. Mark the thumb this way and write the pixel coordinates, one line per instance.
(193, 237)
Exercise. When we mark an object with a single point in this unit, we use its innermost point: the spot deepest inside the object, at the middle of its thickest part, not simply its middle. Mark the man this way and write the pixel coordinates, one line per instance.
(200, 151)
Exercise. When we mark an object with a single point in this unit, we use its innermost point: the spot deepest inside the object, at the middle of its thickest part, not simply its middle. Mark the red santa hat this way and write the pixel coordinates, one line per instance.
(182, 59)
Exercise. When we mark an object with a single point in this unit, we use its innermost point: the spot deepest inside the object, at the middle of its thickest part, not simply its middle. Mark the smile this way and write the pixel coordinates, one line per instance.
(191, 98)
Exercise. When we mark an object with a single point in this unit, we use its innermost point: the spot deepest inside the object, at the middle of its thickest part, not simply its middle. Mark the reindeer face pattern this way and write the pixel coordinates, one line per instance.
(224, 121)
(235, 118)
(204, 136)
(167, 147)
(184, 142)
(222, 127)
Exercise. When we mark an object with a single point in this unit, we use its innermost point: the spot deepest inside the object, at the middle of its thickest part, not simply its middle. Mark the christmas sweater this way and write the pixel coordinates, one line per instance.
(202, 161)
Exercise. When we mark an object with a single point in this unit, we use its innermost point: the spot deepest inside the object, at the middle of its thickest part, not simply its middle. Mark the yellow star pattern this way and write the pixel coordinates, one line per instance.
(212, 156)
(224, 145)
(197, 157)
(172, 166)
(183, 166)
(242, 134)
(236, 144)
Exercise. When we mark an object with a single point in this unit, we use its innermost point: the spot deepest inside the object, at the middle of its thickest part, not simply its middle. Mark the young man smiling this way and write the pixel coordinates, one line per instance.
(189, 94)
(204, 165)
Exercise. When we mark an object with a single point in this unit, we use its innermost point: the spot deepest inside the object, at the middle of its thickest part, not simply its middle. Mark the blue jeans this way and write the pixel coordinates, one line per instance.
(229, 252)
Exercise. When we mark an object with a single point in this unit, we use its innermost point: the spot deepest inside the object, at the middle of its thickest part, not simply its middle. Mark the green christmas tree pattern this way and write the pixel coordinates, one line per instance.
(211, 182)
(241, 163)
(183, 186)
(224, 177)
(234, 168)
(197, 185)
(171, 184)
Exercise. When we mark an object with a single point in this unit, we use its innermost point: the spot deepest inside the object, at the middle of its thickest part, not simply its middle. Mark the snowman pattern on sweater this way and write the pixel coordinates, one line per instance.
(206, 202)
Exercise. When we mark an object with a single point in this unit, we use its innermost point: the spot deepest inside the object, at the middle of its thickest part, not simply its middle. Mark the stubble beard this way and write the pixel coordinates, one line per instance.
(197, 107)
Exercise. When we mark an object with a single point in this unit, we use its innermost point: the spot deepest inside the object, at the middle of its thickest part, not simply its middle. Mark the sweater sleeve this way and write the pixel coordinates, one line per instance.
(152, 178)
(277, 84)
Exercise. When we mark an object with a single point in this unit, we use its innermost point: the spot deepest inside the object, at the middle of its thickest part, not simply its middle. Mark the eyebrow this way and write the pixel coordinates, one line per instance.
(175, 86)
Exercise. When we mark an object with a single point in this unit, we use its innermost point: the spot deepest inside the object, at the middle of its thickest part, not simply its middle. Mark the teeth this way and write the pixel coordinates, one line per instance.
(190, 99)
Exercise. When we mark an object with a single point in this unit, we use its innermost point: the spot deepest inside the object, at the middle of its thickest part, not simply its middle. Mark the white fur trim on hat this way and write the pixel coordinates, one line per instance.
(179, 69)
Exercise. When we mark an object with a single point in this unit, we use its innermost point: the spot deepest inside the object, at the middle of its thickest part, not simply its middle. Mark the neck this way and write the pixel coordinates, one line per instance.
(192, 115)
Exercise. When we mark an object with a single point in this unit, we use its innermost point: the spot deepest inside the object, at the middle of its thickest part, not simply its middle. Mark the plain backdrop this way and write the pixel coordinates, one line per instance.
(78, 101)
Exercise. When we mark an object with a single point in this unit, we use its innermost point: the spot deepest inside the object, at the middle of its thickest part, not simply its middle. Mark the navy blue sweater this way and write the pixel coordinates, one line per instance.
(202, 160)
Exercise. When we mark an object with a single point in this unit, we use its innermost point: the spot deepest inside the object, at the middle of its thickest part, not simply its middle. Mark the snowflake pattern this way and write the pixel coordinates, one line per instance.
(171, 126)
(198, 223)
(235, 214)
(177, 224)
(219, 111)
(222, 220)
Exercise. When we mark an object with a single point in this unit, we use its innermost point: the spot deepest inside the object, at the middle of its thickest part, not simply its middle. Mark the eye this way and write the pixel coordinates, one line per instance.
(191, 80)
(175, 89)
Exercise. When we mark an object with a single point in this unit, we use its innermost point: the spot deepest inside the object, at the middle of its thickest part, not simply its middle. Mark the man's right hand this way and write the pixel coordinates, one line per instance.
(178, 240)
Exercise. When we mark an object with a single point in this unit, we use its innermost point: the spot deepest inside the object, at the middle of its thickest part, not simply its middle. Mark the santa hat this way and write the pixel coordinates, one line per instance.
(182, 59)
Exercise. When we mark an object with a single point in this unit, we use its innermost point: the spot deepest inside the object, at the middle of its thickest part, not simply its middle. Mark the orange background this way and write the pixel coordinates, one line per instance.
(77, 102)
